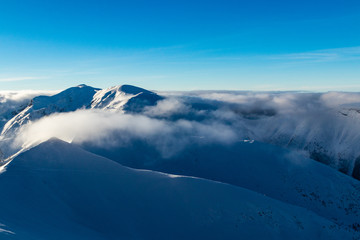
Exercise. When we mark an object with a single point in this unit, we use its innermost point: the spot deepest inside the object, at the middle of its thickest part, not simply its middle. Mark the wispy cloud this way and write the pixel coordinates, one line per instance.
(310, 88)
(325, 55)
(15, 79)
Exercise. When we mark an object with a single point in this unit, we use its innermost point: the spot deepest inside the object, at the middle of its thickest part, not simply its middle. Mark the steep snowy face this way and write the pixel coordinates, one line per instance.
(66, 101)
(7, 113)
(13, 102)
(125, 98)
(58, 191)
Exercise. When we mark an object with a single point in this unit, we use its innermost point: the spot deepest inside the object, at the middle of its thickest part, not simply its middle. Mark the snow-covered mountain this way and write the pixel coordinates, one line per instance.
(58, 191)
(124, 98)
(11, 103)
(65, 101)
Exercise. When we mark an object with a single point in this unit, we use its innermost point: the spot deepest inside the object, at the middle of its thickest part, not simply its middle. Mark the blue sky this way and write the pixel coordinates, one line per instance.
(181, 45)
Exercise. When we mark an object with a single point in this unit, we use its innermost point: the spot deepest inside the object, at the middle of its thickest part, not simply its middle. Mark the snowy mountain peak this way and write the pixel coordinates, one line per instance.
(67, 100)
(124, 97)
(82, 85)
(129, 89)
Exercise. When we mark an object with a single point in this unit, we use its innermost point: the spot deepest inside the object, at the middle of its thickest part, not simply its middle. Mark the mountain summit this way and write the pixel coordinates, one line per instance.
(125, 97)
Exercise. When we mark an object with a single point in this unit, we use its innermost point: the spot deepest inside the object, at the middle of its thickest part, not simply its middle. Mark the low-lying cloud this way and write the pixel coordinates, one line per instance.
(109, 129)
(22, 95)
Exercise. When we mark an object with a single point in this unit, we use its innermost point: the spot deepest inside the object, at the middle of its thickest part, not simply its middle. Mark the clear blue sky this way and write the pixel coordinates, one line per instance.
(181, 45)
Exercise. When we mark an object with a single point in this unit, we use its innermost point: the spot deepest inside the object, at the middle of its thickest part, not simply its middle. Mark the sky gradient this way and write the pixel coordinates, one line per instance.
(181, 45)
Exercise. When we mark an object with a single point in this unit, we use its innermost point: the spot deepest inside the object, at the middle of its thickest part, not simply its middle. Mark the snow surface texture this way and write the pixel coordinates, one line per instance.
(59, 191)
(264, 168)
(125, 97)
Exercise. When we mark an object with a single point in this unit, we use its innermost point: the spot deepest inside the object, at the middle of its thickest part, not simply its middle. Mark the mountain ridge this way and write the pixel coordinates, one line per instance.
(60, 183)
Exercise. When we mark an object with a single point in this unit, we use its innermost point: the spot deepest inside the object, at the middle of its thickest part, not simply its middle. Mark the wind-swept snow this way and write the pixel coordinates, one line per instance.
(264, 168)
(58, 191)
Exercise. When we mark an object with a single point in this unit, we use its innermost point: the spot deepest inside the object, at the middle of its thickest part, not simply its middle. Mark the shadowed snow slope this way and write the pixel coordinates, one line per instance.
(59, 191)
(264, 168)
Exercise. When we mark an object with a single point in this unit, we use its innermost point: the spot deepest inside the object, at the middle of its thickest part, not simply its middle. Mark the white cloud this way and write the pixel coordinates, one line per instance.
(22, 94)
(167, 107)
(108, 128)
(332, 99)
(324, 55)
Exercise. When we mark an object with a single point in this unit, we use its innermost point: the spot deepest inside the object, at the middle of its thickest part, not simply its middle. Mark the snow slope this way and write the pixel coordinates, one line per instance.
(59, 191)
(12, 102)
(263, 168)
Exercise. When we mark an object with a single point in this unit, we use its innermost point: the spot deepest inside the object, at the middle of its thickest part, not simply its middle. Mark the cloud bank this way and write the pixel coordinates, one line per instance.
(110, 129)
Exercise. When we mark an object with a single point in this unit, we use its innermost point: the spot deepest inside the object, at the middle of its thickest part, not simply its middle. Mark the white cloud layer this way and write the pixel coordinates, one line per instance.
(108, 129)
